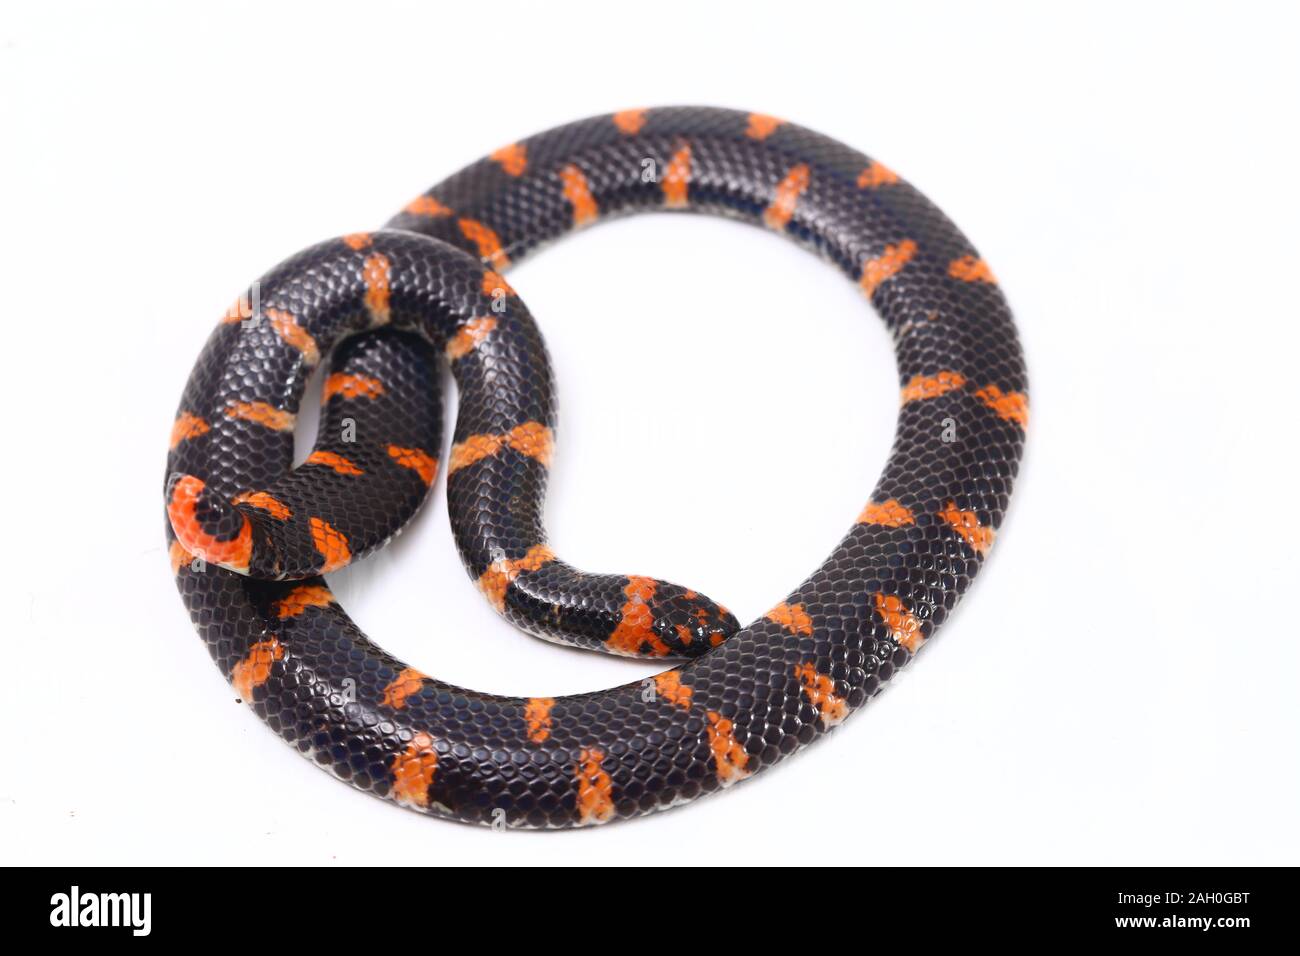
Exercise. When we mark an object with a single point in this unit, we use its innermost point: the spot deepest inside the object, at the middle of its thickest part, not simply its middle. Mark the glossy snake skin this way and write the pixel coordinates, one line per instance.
(250, 536)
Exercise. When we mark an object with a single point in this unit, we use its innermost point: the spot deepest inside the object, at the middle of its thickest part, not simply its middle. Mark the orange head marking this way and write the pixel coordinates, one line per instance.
(357, 240)
(634, 635)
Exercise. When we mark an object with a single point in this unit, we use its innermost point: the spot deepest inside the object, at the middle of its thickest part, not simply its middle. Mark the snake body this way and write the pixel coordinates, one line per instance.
(250, 536)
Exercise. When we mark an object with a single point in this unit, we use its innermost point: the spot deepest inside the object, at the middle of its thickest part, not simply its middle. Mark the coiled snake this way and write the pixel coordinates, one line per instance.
(250, 536)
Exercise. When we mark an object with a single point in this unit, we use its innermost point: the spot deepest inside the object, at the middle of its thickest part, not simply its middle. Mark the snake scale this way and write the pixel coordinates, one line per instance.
(250, 535)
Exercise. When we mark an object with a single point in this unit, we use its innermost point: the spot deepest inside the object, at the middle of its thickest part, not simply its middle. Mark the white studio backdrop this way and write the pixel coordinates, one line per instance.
(1118, 687)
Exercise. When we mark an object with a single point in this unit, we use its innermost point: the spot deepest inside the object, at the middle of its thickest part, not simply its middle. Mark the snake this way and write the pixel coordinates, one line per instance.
(379, 317)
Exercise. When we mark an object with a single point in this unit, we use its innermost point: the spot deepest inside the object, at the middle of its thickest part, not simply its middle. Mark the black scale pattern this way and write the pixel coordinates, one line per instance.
(772, 686)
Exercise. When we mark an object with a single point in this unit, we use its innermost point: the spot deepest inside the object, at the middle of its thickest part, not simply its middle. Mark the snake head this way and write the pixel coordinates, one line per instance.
(689, 623)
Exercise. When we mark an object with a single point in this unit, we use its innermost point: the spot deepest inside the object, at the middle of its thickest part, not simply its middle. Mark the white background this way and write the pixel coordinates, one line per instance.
(1119, 687)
